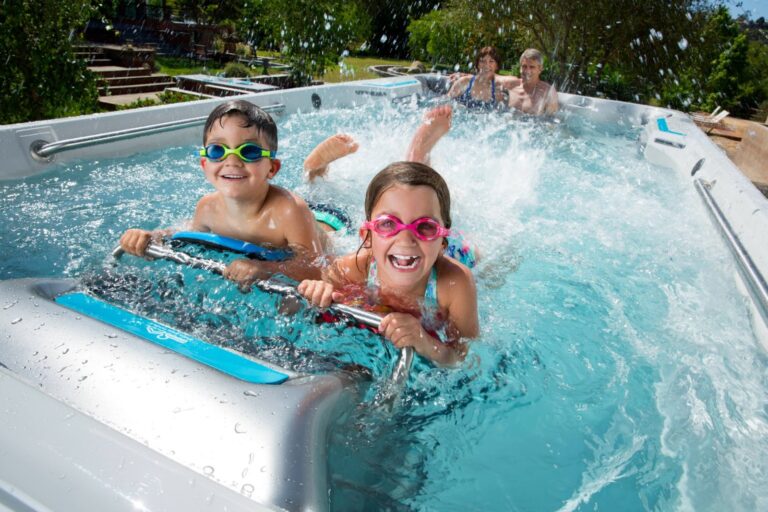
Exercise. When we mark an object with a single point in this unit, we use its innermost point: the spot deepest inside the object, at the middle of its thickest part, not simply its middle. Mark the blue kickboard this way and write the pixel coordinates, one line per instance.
(219, 358)
(233, 244)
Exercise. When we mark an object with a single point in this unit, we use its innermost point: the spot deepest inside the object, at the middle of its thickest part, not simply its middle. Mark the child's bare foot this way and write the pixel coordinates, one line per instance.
(332, 148)
(436, 123)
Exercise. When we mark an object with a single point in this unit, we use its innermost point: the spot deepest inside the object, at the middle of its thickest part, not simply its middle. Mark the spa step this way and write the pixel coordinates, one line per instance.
(118, 71)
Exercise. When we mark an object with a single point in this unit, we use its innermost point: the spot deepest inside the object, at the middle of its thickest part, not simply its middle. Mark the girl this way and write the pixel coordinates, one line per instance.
(401, 266)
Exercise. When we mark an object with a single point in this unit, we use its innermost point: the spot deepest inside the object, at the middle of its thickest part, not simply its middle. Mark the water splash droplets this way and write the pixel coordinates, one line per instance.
(16, 320)
(247, 490)
(208, 470)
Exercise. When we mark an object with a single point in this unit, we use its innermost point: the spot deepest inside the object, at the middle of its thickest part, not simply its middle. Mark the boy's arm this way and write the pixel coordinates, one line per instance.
(300, 234)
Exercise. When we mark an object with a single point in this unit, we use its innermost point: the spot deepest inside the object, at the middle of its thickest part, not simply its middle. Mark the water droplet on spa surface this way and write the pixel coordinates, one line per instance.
(15, 321)
(10, 304)
(111, 335)
(208, 470)
(247, 490)
(240, 429)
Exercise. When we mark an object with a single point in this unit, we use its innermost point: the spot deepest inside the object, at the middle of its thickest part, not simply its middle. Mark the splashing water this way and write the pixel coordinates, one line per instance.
(616, 368)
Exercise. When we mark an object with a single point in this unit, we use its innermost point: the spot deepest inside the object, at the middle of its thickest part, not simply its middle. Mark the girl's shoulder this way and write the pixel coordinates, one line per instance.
(449, 268)
(453, 280)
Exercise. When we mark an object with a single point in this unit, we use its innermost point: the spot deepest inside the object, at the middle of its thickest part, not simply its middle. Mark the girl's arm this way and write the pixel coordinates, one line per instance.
(344, 271)
(405, 330)
(458, 295)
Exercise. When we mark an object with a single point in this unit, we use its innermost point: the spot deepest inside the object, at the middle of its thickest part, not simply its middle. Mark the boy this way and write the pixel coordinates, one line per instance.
(238, 159)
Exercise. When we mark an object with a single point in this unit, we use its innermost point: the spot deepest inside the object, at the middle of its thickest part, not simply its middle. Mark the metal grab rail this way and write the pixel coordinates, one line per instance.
(44, 151)
(397, 379)
(756, 284)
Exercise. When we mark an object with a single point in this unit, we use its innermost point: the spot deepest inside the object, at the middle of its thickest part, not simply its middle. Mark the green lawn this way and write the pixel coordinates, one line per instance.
(354, 68)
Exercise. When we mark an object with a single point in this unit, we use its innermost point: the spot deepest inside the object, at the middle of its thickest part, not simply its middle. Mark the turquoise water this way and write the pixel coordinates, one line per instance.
(616, 370)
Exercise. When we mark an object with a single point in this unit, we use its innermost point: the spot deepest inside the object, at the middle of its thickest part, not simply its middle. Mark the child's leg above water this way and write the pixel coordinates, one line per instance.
(436, 123)
(332, 148)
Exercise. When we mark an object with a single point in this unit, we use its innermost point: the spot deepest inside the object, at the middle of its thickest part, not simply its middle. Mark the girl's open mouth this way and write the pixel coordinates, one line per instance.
(404, 262)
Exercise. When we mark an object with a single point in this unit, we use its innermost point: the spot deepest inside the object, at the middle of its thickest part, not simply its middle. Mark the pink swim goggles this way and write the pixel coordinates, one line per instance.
(424, 228)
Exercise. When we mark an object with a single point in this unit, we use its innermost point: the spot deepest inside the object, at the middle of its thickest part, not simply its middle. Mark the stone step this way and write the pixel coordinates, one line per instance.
(114, 81)
(89, 55)
(114, 101)
(140, 88)
(97, 62)
(119, 71)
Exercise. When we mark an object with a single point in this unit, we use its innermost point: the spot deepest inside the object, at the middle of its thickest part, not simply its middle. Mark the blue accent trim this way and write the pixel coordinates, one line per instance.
(232, 244)
(664, 127)
(219, 358)
(394, 84)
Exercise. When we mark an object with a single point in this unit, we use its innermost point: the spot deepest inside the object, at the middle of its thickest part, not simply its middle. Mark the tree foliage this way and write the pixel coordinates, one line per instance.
(41, 77)
(681, 53)
(311, 34)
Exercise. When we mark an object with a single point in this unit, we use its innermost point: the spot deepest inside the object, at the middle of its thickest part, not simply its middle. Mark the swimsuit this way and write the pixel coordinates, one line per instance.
(471, 102)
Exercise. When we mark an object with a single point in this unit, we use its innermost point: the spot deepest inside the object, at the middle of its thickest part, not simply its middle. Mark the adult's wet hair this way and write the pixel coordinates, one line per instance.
(492, 52)
(413, 174)
(252, 116)
(533, 54)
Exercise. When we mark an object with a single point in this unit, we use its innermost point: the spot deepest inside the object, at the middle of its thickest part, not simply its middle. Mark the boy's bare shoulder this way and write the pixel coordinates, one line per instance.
(286, 201)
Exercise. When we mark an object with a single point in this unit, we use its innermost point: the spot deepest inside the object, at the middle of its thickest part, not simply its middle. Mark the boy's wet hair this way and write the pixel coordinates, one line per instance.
(492, 52)
(252, 115)
(413, 174)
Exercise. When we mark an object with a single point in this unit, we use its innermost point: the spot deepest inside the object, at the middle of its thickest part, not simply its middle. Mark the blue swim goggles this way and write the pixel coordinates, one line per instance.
(248, 152)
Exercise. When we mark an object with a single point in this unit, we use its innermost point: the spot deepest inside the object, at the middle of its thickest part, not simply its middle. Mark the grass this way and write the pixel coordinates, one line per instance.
(182, 66)
(355, 68)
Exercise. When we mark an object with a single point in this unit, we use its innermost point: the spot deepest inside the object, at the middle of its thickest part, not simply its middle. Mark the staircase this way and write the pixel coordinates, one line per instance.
(120, 85)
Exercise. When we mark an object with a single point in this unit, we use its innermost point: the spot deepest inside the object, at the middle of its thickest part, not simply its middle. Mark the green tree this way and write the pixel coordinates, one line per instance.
(451, 37)
(310, 34)
(41, 77)
(582, 40)
(389, 21)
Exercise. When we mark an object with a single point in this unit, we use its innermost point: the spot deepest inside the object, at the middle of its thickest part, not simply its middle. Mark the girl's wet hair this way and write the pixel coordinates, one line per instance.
(492, 52)
(252, 116)
(413, 174)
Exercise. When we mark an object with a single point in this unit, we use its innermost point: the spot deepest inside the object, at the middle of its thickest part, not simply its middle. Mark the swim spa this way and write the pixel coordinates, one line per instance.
(621, 363)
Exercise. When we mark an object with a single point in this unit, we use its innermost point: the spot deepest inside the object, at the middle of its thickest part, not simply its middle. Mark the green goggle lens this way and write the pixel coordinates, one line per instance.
(248, 152)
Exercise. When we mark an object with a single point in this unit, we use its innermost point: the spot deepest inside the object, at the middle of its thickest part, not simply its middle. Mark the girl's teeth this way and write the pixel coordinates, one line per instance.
(404, 262)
